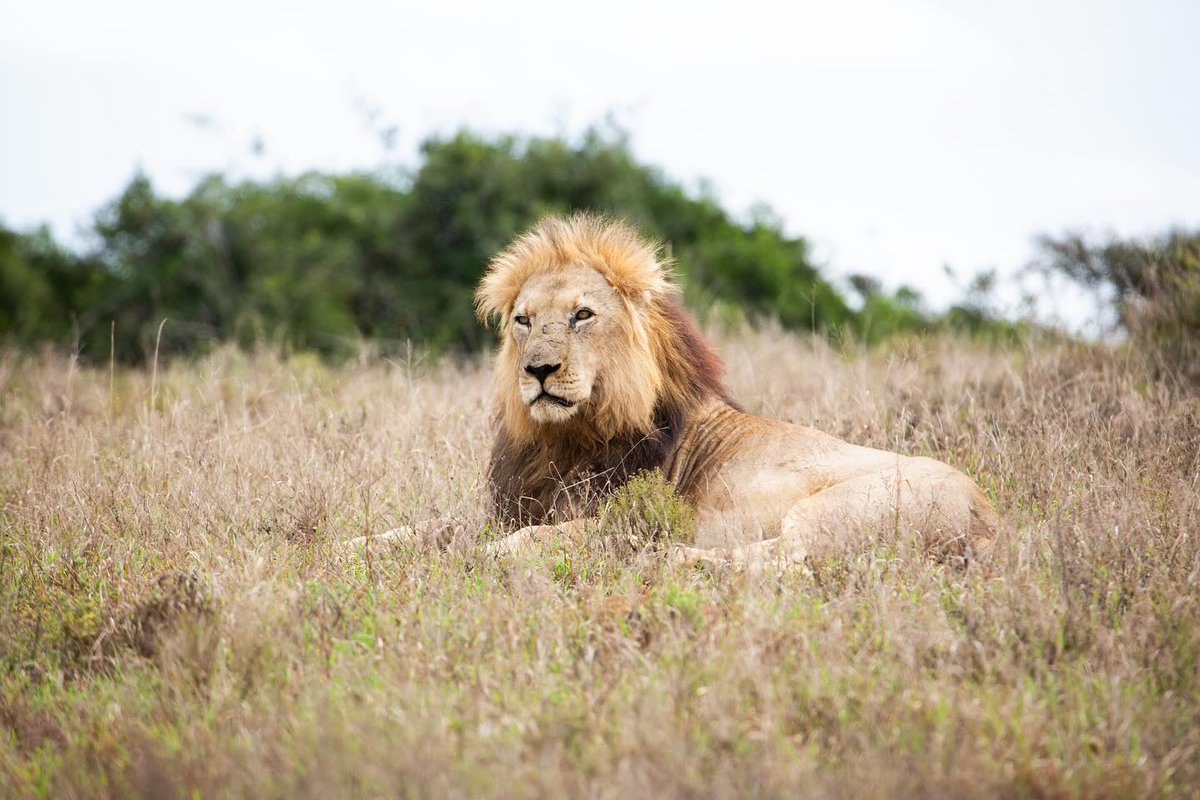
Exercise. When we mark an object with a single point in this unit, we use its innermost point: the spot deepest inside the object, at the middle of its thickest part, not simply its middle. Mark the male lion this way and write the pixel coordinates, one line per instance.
(601, 374)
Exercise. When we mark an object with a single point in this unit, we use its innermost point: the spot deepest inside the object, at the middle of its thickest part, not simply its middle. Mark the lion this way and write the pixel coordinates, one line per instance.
(602, 374)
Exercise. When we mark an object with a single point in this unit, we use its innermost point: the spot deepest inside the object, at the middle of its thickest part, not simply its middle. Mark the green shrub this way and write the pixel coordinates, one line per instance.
(647, 510)
(322, 261)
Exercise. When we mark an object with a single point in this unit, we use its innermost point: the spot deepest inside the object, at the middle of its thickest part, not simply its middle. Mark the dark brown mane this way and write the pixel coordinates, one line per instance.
(699, 370)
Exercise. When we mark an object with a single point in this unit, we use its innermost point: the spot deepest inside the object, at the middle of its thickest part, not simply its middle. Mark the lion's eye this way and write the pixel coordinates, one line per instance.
(583, 313)
(521, 319)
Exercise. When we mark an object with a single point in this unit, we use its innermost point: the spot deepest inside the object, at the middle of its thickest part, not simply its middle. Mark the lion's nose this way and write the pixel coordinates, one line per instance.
(542, 371)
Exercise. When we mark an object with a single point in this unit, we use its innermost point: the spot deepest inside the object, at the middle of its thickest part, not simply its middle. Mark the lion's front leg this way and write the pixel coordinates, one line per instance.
(535, 536)
(391, 538)
(780, 552)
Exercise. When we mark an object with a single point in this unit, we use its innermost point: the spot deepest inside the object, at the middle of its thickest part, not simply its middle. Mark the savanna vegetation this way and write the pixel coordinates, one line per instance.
(322, 262)
(1153, 286)
(179, 616)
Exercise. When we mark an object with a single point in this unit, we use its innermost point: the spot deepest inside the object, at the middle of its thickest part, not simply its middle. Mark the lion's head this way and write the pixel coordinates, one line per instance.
(597, 356)
(589, 321)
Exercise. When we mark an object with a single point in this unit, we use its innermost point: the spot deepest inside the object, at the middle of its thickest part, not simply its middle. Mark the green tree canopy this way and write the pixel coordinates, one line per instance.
(320, 260)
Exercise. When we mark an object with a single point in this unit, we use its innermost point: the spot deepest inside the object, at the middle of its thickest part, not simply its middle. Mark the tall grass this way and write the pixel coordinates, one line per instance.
(177, 619)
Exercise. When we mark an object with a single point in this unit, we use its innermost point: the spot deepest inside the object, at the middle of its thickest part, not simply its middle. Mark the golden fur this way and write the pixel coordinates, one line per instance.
(600, 374)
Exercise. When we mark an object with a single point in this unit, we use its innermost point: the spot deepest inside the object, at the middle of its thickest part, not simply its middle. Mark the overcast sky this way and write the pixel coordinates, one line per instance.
(897, 136)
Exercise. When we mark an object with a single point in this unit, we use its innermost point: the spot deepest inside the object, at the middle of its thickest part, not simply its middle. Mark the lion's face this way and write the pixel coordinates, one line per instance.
(584, 308)
(565, 327)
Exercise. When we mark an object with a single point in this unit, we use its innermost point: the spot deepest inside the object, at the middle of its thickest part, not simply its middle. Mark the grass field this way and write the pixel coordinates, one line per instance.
(177, 619)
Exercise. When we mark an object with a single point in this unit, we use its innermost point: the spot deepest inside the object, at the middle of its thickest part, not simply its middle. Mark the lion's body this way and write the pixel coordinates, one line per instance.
(625, 382)
(754, 480)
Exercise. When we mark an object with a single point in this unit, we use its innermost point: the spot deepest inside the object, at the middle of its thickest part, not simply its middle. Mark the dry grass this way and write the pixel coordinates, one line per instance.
(175, 619)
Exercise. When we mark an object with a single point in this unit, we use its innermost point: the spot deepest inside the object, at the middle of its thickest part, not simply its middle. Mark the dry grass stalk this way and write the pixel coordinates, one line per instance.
(175, 617)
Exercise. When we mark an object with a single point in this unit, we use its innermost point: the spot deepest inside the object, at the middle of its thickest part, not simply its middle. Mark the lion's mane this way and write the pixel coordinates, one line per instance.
(659, 372)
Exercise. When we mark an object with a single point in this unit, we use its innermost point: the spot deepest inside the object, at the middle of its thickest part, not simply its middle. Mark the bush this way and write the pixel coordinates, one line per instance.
(320, 261)
(647, 510)
(1155, 286)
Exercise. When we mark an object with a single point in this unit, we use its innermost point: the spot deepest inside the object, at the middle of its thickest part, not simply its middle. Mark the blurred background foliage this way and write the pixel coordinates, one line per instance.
(1153, 286)
(327, 262)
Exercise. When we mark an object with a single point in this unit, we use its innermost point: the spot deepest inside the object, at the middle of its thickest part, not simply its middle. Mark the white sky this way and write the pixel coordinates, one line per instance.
(898, 137)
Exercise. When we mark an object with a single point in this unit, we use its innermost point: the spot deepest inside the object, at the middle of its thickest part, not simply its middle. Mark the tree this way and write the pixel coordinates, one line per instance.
(1154, 284)
(320, 260)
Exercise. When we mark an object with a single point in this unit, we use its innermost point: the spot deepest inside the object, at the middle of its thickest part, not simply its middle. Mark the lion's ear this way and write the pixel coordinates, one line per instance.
(644, 287)
(640, 278)
(644, 299)
(497, 292)
(487, 307)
